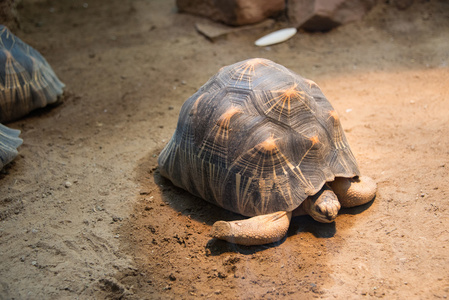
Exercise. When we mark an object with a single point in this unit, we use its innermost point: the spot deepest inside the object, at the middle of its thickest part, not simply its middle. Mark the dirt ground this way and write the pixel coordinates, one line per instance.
(85, 213)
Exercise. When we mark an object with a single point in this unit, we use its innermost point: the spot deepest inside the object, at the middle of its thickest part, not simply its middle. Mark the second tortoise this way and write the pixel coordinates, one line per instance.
(260, 140)
(27, 82)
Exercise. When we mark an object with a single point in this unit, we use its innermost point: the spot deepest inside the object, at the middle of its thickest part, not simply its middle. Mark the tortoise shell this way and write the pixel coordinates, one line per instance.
(255, 139)
(27, 81)
(9, 141)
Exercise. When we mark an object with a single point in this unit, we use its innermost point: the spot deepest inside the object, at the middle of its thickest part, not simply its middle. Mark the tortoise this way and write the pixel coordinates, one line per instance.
(262, 141)
(9, 141)
(27, 82)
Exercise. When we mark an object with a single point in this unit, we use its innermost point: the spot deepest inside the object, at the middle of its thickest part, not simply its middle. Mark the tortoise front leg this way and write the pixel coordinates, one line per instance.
(257, 230)
(354, 191)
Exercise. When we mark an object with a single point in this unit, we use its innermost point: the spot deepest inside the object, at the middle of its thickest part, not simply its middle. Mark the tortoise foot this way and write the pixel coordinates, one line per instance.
(354, 191)
(257, 230)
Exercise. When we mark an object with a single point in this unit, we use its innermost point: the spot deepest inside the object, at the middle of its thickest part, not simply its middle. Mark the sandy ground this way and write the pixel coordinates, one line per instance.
(85, 213)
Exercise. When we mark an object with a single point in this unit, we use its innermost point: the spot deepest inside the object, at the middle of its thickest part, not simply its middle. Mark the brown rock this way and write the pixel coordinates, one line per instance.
(323, 15)
(214, 31)
(232, 12)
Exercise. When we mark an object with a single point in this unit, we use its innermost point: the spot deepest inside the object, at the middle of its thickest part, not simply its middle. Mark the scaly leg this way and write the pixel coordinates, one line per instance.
(257, 230)
(354, 191)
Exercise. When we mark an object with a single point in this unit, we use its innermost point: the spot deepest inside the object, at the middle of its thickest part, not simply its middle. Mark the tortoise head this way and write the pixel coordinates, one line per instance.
(323, 206)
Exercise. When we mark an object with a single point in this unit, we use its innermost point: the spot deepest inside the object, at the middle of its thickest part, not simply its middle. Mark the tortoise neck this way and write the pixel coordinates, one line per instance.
(303, 209)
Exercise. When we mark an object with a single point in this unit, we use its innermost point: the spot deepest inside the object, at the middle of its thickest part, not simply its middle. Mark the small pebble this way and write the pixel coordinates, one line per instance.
(116, 219)
(67, 184)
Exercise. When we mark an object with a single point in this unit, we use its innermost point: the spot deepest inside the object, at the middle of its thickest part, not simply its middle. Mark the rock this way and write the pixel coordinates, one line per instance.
(232, 12)
(323, 15)
(214, 31)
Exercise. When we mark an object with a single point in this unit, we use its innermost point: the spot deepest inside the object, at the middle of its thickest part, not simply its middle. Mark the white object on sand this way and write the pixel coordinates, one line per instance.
(276, 37)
